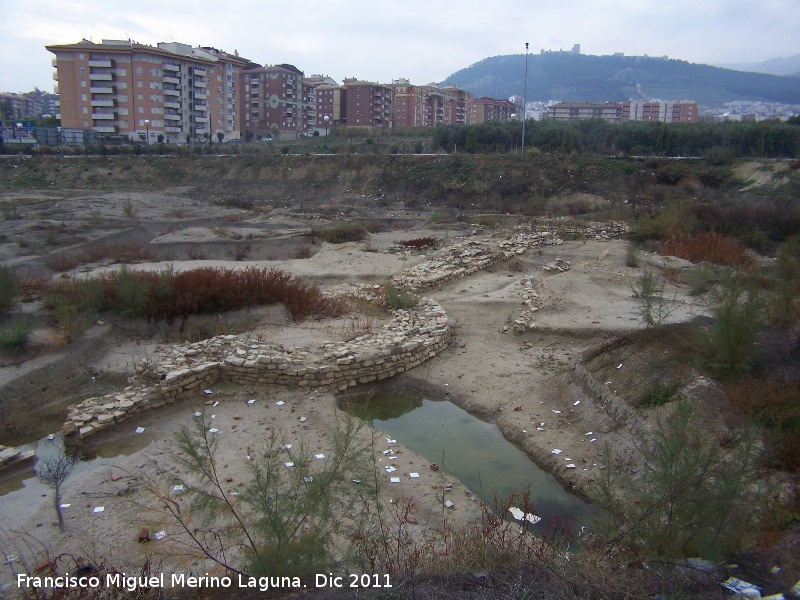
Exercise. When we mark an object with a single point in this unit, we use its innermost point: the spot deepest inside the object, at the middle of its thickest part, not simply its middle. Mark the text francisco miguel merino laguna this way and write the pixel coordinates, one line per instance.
(131, 583)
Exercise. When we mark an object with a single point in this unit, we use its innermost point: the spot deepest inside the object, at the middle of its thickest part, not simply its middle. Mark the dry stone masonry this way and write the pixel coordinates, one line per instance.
(408, 339)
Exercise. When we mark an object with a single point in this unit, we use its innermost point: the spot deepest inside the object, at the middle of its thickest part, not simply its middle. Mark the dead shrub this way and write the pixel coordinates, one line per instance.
(303, 252)
(709, 247)
(418, 243)
(196, 252)
(240, 252)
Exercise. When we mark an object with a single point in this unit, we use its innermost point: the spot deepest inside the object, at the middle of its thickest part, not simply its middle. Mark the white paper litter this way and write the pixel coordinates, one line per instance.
(558, 412)
(140, 430)
(197, 413)
(287, 446)
(570, 466)
(98, 509)
(51, 436)
(593, 440)
(576, 403)
(395, 480)
(520, 515)
(743, 588)
(161, 535)
(388, 441)
(619, 366)
(280, 403)
(289, 465)
(216, 403)
(390, 469)
(253, 401)
(213, 416)
(413, 475)
(589, 433)
(65, 505)
(213, 430)
(385, 452)
(207, 391)
(556, 451)
(308, 479)
(540, 429)
(449, 504)
(303, 419)
(177, 488)
(319, 456)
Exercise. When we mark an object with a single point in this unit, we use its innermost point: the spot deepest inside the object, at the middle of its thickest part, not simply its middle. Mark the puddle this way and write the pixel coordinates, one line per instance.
(469, 449)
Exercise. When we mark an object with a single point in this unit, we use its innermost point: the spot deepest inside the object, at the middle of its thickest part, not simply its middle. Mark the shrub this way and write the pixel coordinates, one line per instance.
(654, 308)
(662, 393)
(398, 298)
(9, 288)
(15, 335)
(784, 306)
(632, 256)
(418, 243)
(302, 252)
(345, 232)
(707, 246)
(729, 343)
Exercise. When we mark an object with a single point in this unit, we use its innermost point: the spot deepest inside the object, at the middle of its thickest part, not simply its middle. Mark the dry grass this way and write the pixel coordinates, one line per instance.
(123, 253)
(709, 247)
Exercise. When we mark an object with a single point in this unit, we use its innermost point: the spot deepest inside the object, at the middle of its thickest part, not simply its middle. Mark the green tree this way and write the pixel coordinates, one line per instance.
(220, 136)
(568, 141)
(471, 143)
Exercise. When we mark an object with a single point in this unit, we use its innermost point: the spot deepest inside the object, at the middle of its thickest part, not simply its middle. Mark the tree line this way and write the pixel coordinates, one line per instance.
(726, 140)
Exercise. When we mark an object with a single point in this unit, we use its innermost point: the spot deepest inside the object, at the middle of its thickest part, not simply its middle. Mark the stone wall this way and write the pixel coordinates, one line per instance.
(408, 339)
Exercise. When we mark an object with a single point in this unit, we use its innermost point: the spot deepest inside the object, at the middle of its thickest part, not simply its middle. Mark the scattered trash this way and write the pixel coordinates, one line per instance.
(289, 465)
(540, 429)
(116, 477)
(412, 520)
(556, 451)
(177, 488)
(161, 535)
(774, 597)
(51, 436)
(65, 505)
(557, 412)
(775, 570)
(207, 392)
(589, 433)
(520, 515)
(319, 456)
(743, 588)
(356, 481)
(619, 366)
(213, 430)
(593, 440)
(197, 413)
(434, 466)
(389, 441)
(280, 403)
(229, 479)
(570, 466)
(140, 430)
(287, 446)
(390, 469)
(414, 475)
(308, 479)
(215, 403)
(795, 590)
(144, 534)
(449, 504)
(576, 403)
(303, 419)
(253, 401)
(517, 408)
(395, 480)
(98, 509)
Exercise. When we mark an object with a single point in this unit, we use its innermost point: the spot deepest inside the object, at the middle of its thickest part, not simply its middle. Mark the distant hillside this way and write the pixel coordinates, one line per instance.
(787, 65)
(565, 76)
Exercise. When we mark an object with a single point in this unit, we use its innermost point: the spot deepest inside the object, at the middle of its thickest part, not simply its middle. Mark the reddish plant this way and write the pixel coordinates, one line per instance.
(707, 246)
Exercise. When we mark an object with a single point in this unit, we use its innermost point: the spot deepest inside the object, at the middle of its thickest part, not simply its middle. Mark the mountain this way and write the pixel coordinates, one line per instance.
(577, 77)
(787, 65)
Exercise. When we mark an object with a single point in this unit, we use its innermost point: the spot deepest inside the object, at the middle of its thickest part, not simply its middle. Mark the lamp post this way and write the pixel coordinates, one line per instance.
(58, 129)
(327, 119)
(524, 98)
(18, 127)
(147, 125)
(513, 117)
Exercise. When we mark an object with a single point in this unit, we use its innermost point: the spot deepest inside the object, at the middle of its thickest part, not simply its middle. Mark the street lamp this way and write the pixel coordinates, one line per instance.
(58, 129)
(513, 117)
(18, 127)
(524, 98)
(327, 119)
(147, 125)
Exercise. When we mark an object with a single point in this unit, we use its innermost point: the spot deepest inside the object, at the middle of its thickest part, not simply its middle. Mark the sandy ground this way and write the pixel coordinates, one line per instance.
(516, 380)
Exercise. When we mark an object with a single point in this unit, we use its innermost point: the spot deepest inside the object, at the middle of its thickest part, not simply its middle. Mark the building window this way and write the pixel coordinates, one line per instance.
(83, 97)
(85, 110)
(81, 56)
(140, 96)
(123, 72)
(139, 83)
(140, 109)
(83, 70)
(83, 83)
(123, 85)
(138, 70)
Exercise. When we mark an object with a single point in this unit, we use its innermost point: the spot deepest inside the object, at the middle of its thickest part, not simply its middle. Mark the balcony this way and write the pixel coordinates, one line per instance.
(106, 62)
(168, 79)
(171, 92)
(104, 116)
(172, 129)
(55, 75)
(54, 62)
(101, 90)
(105, 129)
(171, 67)
(103, 102)
(201, 119)
(101, 77)
(171, 104)
(199, 71)
(200, 130)
(169, 117)
(200, 95)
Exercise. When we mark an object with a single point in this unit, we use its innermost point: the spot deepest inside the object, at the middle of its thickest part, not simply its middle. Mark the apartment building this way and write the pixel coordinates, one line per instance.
(430, 105)
(275, 101)
(367, 104)
(124, 90)
(491, 109)
(618, 112)
(664, 112)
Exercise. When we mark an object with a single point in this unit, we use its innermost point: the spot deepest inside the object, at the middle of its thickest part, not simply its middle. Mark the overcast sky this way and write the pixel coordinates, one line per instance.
(378, 40)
